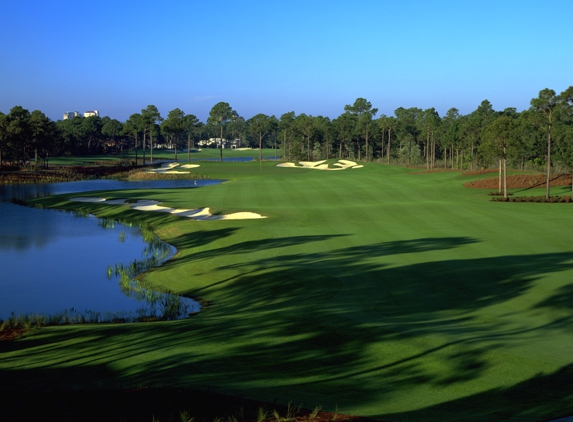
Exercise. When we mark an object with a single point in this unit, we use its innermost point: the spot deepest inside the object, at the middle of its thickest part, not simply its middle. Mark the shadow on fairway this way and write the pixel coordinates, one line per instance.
(244, 247)
(202, 237)
(561, 299)
(332, 328)
(532, 400)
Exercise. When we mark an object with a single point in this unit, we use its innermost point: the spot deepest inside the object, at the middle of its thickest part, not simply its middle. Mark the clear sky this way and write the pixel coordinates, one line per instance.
(276, 56)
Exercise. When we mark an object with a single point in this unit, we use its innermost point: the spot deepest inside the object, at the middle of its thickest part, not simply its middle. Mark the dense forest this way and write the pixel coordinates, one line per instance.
(539, 138)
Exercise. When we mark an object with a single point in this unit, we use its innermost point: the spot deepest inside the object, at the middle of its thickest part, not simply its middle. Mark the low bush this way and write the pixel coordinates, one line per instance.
(542, 199)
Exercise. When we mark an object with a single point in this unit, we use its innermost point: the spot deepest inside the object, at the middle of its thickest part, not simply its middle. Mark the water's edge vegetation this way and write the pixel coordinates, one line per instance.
(157, 303)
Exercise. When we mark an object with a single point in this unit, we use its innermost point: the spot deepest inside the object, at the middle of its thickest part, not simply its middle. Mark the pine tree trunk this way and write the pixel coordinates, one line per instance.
(409, 152)
(427, 155)
(143, 148)
(499, 178)
(150, 147)
(388, 153)
(548, 165)
(505, 177)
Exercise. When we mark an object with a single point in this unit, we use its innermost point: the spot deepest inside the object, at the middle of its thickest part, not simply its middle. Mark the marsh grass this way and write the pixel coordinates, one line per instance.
(161, 303)
(261, 415)
(43, 176)
(185, 417)
(291, 413)
(65, 317)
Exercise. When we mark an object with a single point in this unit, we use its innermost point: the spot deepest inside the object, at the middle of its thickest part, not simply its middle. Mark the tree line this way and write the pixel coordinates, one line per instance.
(536, 138)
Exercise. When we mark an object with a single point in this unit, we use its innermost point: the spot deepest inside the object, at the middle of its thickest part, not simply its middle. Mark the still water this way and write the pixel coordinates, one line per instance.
(52, 261)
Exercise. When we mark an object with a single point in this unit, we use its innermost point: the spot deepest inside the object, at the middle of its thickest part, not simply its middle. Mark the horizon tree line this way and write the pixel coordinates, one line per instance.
(540, 137)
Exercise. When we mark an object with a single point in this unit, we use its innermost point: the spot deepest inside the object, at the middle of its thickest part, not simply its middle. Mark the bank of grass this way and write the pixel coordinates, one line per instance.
(158, 155)
(376, 291)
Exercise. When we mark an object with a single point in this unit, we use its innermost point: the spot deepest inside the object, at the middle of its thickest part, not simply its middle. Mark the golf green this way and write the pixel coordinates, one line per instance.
(381, 291)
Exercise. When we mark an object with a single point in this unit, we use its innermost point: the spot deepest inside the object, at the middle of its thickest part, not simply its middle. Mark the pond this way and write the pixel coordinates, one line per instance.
(59, 263)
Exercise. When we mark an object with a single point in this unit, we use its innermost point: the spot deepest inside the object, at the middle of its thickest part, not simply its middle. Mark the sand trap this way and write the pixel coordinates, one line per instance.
(319, 165)
(198, 214)
(311, 164)
(167, 168)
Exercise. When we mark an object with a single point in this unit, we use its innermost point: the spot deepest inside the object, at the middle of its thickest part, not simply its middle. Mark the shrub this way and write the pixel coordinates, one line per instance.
(543, 199)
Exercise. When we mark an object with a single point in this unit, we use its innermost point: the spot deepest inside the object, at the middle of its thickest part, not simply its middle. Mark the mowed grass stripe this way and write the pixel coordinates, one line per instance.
(388, 294)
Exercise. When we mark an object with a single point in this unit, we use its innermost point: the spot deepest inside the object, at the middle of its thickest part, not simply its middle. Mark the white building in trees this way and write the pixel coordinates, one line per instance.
(70, 114)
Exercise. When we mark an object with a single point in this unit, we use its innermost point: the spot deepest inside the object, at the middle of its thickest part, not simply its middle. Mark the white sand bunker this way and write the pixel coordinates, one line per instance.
(198, 214)
(319, 165)
(167, 168)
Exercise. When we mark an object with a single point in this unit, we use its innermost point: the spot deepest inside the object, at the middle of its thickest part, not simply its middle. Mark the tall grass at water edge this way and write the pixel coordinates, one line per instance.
(161, 304)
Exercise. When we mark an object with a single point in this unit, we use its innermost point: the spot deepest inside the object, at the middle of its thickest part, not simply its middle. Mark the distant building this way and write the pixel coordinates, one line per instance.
(70, 114)
(217, 142)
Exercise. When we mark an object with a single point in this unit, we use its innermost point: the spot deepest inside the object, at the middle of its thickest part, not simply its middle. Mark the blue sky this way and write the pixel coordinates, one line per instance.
(272, 57)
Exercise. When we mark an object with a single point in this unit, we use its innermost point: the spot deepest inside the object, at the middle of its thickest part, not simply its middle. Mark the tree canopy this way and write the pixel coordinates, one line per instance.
(543, 134)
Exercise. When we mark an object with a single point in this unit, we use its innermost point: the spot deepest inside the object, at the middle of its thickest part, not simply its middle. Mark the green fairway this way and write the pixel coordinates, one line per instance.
(161, 154)
(379, 291)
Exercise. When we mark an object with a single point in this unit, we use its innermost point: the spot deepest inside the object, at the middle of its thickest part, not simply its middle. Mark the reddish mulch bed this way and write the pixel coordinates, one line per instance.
(474, 172)
(9, 334)
(63, 173)
(147, 404)
(521, 181)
